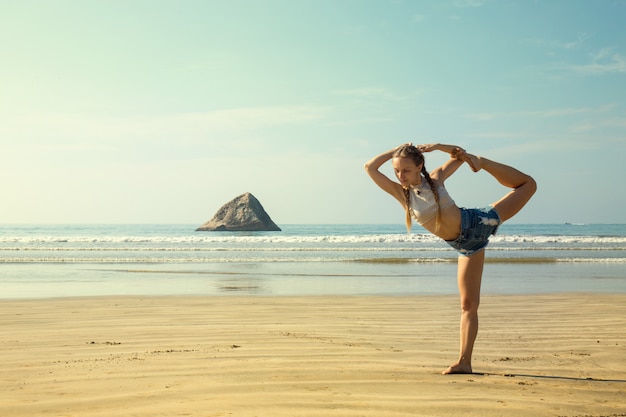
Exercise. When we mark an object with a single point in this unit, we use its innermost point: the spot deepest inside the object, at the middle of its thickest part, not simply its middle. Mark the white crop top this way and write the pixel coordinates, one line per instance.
(423, 204)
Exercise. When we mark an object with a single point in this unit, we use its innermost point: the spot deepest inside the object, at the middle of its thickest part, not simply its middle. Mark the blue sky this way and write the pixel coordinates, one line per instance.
(161, 111)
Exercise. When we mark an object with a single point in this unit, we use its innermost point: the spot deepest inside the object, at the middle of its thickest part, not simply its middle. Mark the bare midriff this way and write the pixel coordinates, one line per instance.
(450, 226)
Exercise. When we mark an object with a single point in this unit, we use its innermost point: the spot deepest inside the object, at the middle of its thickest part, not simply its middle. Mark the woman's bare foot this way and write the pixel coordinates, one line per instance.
(472, 160)
(458, 368)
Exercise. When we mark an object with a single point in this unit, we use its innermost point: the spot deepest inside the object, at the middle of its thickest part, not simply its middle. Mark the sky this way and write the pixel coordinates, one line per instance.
(152, 111)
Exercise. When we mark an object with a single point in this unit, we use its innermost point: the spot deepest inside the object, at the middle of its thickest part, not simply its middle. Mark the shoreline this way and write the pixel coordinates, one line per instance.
(267, 279)
(315, 355)
(234, 295)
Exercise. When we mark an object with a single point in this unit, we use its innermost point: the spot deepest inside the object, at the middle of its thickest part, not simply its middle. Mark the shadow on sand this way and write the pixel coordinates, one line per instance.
(566, 378)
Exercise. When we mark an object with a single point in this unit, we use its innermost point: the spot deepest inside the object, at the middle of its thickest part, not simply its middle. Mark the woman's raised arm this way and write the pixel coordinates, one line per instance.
(456, 152)
(372, 167)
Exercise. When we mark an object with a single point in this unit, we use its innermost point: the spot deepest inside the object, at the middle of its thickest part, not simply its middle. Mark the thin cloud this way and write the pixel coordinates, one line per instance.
(367, 92)
(498, 135)
(362, 121)
(581, 39)
(251, 118)
(483, 116)
(70, 128)
(464, 4)
(603, 62)
(557, 112)
(549, 113)
(376, 95)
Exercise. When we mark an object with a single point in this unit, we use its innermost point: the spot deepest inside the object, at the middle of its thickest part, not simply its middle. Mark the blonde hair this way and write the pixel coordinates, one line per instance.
(411, 152)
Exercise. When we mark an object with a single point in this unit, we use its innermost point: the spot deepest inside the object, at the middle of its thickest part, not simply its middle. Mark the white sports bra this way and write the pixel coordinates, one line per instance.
(423, 204)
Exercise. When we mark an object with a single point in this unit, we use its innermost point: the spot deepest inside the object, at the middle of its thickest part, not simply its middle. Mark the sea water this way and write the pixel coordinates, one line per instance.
(85, 260)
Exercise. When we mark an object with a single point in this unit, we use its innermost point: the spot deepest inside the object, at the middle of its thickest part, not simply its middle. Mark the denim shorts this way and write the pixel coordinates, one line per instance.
(476, 227)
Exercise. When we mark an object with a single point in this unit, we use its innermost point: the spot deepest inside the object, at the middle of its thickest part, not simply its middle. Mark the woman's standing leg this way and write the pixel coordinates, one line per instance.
(471, 267)
(469, 275)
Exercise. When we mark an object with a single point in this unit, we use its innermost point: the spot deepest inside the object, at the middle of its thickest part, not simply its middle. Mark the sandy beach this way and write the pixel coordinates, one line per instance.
(548, 355)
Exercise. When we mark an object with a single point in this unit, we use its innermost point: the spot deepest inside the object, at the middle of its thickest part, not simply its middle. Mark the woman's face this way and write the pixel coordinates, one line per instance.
(406, 171)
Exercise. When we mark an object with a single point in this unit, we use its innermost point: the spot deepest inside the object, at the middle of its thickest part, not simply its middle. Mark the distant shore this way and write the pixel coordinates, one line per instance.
(543, 355)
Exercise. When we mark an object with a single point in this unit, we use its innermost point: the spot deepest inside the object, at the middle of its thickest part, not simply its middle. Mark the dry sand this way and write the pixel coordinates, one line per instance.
(549, 355)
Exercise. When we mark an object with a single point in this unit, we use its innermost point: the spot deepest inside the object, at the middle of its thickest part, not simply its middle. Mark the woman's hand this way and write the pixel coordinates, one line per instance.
(461, 155)
(455, 151)
(427, 147)
(458, 153)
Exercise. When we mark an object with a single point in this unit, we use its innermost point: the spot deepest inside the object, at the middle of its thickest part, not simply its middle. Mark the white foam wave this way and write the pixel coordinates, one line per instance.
(593, 260)
(274, 239)
(293, 239)
(234, 259)
(530, 239)
(223, 249)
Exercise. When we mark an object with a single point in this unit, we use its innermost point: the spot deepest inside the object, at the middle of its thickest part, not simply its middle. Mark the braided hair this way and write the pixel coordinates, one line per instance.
(410, 151)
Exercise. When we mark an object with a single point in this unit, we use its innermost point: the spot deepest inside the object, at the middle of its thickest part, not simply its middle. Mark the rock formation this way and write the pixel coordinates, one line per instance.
(243, 213)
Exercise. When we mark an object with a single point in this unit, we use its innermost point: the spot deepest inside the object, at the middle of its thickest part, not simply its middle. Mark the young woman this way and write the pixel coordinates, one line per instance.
(425, 198)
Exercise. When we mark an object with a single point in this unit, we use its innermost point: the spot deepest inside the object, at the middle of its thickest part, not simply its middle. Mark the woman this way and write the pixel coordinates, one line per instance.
(425, 198)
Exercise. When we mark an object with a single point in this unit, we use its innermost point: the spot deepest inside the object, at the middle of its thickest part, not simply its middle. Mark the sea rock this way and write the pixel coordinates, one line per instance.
(242, 214)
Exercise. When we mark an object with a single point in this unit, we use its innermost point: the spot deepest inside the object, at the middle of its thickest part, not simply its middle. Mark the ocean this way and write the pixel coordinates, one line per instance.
(90, 260)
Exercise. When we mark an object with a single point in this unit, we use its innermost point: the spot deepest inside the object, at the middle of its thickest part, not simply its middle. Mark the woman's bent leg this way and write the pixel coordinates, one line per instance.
(470, 271)
(524, 186)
